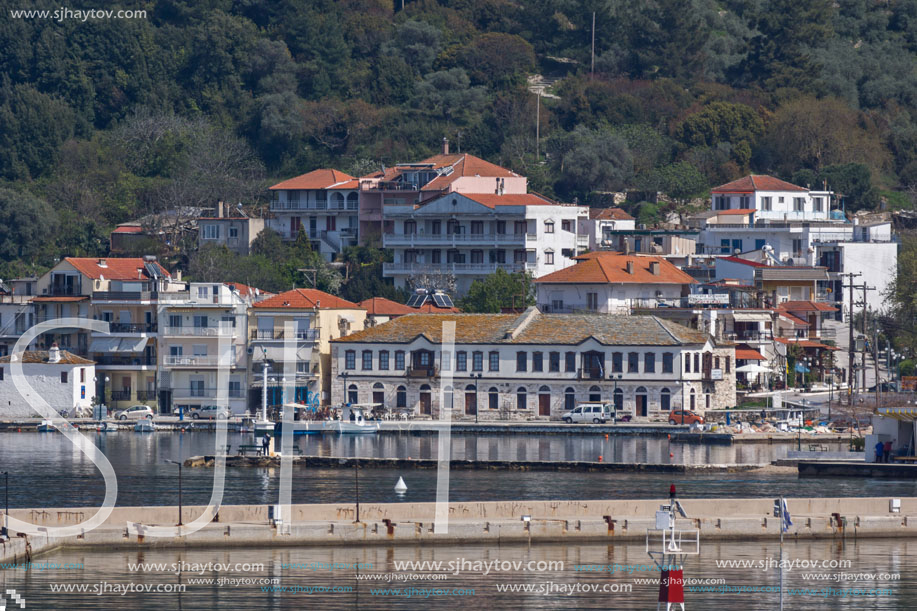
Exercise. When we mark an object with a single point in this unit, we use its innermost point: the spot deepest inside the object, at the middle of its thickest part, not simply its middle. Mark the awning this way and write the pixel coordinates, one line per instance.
(105, 344)
(133, 345)
(898, 413)
(751, 317)
(748, 354)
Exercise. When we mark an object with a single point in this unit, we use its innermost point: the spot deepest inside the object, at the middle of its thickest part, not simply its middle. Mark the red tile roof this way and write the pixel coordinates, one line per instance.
(245, 290)
(306, 298)
(806, 306)
(41, 356)
(604, 267)
(609, 214)
(735, 212)
(128, 229)
(67, 298)
(805, 343)
(756, 182)
(385, 307)
(492, 200)
(463, 165)
(743, 261)
(116, 268)
(744, 353)
(794, 319)
(316, 179)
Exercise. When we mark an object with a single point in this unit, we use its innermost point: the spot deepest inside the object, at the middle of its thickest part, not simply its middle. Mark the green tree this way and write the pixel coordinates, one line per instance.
(681, 181)
(901, 298)
(589, 160)
(718, 122)
(497, 59)
(34, 125)
(27, 224)
(498, 290)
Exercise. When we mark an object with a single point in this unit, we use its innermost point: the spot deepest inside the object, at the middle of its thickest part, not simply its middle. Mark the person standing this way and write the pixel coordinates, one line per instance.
(266, 444)
(880, 451)
(887, 450)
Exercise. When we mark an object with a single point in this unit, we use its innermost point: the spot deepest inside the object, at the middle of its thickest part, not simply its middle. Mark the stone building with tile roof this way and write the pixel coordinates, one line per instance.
(532, 366)
(62, 379)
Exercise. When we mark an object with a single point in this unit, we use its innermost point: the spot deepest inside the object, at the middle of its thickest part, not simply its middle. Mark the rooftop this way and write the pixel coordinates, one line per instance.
(492, 200)
(306, 298)
(607, 267)
(115, 268)
(757, 182)
(806, 306)
(609, 214)
(380, 306)
(41, 356)
(532, 327)
(317, 179)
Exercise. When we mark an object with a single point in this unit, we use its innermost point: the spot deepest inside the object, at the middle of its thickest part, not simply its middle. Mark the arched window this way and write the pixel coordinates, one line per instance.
(595, 393)
(448, 398)
(619, 399)
(337, 200)
(378, 395)
(352, 394)
(471, 400)
(642, 402)
(521, 398)
(401, 397)
(493, 398)
(665, 400)
(569, 398)
(352, 200)
(693, 405)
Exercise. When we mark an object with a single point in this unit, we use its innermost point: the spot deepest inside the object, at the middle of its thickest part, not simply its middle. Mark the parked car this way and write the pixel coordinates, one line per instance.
(135, 412)
(679, 416)
(209, 412)
(885, 387)
(599, 413)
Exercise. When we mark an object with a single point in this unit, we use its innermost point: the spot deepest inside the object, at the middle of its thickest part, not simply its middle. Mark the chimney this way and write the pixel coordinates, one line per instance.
(220, 209)
(103, 263)
(654, 268)
(54, 353)
(630, 267)
(445, 146)
(178, 275)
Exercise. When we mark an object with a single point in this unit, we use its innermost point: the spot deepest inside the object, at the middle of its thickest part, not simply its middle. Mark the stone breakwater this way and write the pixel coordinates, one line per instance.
(471, 522)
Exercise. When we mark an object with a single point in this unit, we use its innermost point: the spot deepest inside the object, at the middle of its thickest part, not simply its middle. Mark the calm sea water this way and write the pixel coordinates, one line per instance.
(47, 471)
(250, 566)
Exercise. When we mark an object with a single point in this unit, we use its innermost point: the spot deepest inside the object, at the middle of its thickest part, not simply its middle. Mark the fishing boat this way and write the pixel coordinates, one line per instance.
(353, 422)
(46, 426)
(107, 427)
(144, 426)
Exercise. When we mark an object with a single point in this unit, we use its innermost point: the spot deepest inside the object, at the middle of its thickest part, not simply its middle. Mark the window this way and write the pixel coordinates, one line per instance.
(494, 358)
(477, 227)
(716, 363)
(461, 361)
(477, 256)
(383, 360)
(799, 204)
(728, 359)
(549, 258)
(569, 398)
(83, 375)
(234, 232)
(501, 227)
(445, 359)
(424, 358)
(570, 361)
(522, 361)
(744, 202)
(696, 362)
(595, 393)
(175, 321)
(493, 398)
(724, 247)
(436, 256)
(797, 248)
(200, 322)
(63, 377)
(211, 232)
(367, 360)
(352, 396)
(477, 361)
(399, 360)
(350, 359)
(687, 363)
(537, 361)
(592, 301)
(667, 362)
(759, 244)
(617, 359)
(202, 292)
(554, 361)
(557, 305)
(549, 226)
(1, 373)
(401, 397)
(665, 400)
(649, 362)
(199, 349)
(816, 204)
(766, 204)
(521, 399)
(633, 362)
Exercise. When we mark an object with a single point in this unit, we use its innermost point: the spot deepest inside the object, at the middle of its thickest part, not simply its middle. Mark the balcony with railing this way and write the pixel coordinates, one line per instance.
(191, 331)
(309, 335)
(125, 361)
(123, 296)
(454, 268)
(191, 361)
(422, 372)
(590, 373)
(443, 240)
(130, 328)
(295, 206)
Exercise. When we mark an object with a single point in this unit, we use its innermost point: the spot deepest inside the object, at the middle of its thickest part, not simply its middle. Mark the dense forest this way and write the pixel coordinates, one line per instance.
(104, 121)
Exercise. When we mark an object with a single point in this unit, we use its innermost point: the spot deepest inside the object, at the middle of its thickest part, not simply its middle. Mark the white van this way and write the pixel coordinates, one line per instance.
(598, 413)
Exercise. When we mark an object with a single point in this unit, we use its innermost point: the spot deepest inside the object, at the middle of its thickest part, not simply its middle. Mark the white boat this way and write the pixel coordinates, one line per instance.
(144, 426)
(353, 422)
(46, 426)
(107, 427)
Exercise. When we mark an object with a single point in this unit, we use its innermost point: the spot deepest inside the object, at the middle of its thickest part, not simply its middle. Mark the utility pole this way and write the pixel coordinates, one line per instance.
(537, 126)
(306, 271)
(863, 359)
(850, 347)
(592, 66)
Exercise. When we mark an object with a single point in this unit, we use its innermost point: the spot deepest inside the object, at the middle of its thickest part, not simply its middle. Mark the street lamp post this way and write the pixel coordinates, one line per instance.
(175, 462)
(476, 377)
(6, 498)
(614, 396)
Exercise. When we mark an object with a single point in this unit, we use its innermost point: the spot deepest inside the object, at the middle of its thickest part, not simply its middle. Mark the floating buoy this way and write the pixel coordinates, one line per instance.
(669, 437)
(671, 455)
(600, 458)
(401, 487)
(606, 435)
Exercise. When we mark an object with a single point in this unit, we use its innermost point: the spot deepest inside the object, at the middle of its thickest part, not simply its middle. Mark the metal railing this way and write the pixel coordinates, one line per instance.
(198, 392)
(123, 295)
(454, 268)
(456, 239)
(191, 361)
(590, 374)
(146, 395)
(121, 395)
(277, 334)
(200, 331)
(125, 361)
(131, 327)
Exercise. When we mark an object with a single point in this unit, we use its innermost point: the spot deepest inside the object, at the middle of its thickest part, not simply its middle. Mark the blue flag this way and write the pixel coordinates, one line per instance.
(786, 517)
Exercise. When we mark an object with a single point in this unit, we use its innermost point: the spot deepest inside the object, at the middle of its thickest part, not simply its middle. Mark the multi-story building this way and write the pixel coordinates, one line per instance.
(323, 204)
(469, 236)
(413, 183)
(612, 283)
(63, 380)
(230, 228)
(192, 324)
(123, 292)
(797, 227)
(601, 224)
(17, 314)
(532, 366)
(292, 332)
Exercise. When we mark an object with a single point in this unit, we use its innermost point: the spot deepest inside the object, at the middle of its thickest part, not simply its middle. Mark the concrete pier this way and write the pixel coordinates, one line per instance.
(474, 522)
(857, 469)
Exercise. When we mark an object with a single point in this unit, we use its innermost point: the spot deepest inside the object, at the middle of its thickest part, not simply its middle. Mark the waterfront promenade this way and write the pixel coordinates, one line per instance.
(469, 523)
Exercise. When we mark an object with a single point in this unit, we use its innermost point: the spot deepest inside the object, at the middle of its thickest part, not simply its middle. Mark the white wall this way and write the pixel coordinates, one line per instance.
(612, 298)
(45, 380)
(878, 264)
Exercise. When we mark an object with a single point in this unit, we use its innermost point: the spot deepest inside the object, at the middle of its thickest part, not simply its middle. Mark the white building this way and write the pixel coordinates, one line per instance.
(229, 228)
(323, 204)
(192, 323)
(65, 381)
(612, 283)
(601, 224)
(772, 199)
(532, 366)
(469, 236)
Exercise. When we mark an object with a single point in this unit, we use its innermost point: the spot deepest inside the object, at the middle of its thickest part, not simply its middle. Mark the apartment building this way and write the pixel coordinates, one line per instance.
(468, 236)
(123, 292)
(601, 225)
(323, 204)
(291, 332)
(231, 228)
(17, 314)
(612, 283)
(532, 366)
(192, 324)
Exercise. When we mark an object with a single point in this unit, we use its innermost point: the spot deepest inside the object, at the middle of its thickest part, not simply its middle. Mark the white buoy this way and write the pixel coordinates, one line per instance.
(401, 487)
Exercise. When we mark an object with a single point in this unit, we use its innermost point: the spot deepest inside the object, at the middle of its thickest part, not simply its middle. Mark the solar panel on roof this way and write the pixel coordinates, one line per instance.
(442, 301)
(152, 270)
(416, 300)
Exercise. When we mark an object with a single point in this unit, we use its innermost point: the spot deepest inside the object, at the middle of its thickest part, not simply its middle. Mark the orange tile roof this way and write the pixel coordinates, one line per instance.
(306, 298)
(553, 329)
(385, 307)
(128, 229)
(492, 200)
(735, 212)
(610, 267)
(609, 214)
(41, 356)
(316, 179)
(806, 306)
(805, 343)
(62, 298)
(744, 353)
(743, 261)
(246, 290)
(463, 164)
(794, 319)
(756, 182)
(116, 268)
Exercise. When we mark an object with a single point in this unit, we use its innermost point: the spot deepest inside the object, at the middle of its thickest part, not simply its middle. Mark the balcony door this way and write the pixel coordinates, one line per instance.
(426, 402)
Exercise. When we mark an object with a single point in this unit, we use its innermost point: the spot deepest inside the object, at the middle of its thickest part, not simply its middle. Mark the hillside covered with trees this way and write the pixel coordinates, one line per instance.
(105, 121)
